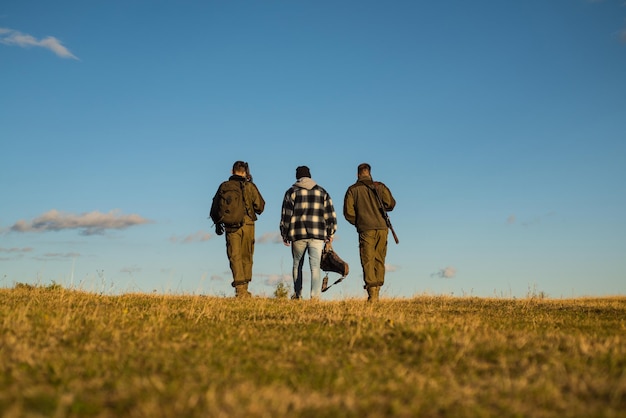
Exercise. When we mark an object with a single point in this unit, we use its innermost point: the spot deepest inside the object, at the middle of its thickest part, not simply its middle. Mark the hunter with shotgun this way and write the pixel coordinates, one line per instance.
(365, 206)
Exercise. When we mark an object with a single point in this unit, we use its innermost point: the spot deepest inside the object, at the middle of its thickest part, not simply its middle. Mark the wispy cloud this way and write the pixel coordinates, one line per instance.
(217, 278)
(91, 223)
(445, 273)
(16, 250)
(199, 236)
(13, 37)
(56, 256)
(535, 220)
(274, 279)
(130, 270)
(62, 255)
(15, 253)
(390, 268)
(270, 237)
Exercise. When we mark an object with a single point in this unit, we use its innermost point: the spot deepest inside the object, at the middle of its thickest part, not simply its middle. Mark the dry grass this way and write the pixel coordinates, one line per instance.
(73, 354)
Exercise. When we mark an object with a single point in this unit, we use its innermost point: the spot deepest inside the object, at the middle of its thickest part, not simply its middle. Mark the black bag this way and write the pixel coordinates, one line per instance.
(331, 262)
(231, 206)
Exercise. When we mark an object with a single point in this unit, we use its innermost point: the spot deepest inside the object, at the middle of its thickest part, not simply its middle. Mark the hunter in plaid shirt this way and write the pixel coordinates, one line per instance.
(308, 219)
(307, 212)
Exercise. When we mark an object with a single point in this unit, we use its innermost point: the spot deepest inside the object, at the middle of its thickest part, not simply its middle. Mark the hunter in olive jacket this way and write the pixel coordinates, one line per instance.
(360, 205)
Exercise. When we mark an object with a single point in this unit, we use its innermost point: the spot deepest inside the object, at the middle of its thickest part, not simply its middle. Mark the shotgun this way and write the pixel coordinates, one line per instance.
(384, 212)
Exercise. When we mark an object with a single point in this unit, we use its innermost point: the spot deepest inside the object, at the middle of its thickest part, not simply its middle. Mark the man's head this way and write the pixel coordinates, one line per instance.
(364, 169)
(240, 168)
(303, 171)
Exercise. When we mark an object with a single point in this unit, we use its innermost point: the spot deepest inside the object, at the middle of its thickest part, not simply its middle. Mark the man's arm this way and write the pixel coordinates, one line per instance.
(258, 203)
(348, 207)
(330, 217)
(286, 213)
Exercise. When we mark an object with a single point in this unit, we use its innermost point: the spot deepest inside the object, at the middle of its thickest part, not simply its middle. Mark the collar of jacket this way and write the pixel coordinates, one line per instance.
(237, 177)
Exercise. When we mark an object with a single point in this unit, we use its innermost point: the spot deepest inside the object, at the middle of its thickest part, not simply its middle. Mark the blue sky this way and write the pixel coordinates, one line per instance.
(500, 127)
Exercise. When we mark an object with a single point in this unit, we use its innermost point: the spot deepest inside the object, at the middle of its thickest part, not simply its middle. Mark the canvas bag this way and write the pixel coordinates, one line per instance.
(331, 262)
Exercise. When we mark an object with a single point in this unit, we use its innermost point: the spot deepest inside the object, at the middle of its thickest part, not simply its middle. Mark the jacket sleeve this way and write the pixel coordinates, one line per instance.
(330, 216)
(286, 213)
(348, 207)
(213, 212)
(258, 203)
(385, 195)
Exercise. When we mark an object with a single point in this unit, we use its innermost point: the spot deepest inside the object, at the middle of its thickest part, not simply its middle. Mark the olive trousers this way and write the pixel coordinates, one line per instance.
(373, 251)
(240, 251)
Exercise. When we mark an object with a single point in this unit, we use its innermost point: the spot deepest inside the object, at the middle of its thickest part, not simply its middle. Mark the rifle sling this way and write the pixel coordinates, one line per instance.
(378, 199)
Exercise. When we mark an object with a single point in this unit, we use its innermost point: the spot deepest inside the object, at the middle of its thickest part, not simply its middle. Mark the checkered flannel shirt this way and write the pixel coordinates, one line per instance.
(307, 214)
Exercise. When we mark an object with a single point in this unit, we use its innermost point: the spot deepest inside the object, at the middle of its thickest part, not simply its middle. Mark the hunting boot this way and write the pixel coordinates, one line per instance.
(241, 291)
(372, 293)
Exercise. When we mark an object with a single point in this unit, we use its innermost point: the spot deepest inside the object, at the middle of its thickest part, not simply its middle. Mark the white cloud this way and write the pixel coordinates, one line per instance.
(199, 236)
(446, 273)
(274, 279)
(390, 268)
(91, 223)
(12, 37)
(270, 237)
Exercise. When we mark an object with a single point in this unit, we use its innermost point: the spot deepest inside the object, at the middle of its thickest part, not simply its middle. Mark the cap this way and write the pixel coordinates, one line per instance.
(302, 171)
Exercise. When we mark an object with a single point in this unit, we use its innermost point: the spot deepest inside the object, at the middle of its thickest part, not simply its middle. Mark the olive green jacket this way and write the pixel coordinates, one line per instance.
(361, 208)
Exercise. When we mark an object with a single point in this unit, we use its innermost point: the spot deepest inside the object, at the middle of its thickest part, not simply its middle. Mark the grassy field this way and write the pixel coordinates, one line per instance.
(73, 354)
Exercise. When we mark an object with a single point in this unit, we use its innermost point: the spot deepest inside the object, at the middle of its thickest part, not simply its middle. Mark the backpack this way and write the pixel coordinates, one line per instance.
(231, 206)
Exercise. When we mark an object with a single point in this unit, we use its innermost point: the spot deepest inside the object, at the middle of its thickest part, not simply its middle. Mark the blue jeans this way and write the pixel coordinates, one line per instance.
(298, 248)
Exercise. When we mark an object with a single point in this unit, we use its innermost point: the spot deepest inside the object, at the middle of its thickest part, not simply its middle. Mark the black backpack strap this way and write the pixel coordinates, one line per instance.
(243, 195)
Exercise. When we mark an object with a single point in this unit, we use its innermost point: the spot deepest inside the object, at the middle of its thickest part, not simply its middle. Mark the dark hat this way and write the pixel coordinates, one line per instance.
(302, 171)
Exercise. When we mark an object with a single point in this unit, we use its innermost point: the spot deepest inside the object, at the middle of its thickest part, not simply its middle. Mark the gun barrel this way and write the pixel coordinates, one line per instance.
(383, 211)
(395, 237)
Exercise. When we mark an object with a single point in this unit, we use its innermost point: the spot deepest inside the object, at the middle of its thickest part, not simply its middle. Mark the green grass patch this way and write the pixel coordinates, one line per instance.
(74, 354)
